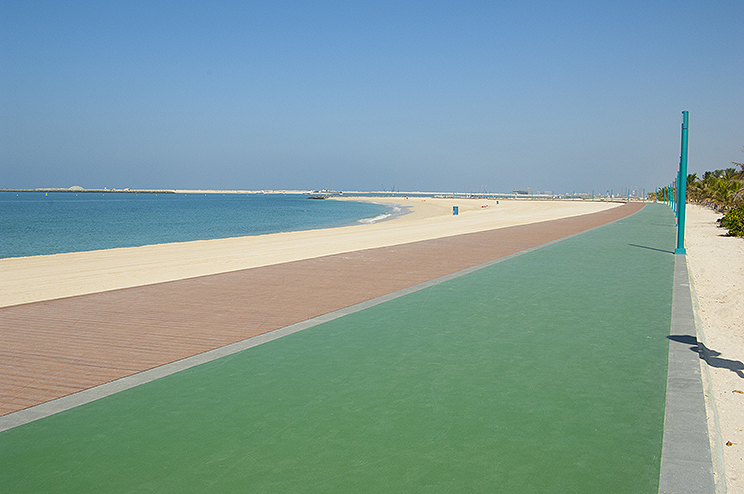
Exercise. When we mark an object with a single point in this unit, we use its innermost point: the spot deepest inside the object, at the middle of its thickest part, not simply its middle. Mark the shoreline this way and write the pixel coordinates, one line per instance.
(37, 278)
(390, 211)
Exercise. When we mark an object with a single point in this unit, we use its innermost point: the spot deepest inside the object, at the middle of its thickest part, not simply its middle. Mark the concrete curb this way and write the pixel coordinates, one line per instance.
(686, 464)
(719, 468)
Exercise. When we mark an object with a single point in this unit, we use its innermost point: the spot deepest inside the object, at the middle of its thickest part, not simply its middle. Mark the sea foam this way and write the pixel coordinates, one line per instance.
(395, 211)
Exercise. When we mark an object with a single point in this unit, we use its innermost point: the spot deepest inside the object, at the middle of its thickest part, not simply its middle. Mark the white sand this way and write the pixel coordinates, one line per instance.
(30, 279)
(716, 265)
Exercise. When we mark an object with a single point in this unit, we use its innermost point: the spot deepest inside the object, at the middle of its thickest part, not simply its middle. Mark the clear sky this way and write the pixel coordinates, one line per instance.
(418, 95)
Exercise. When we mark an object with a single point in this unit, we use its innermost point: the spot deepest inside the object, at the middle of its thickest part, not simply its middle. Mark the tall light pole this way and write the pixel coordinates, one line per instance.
(682, 188)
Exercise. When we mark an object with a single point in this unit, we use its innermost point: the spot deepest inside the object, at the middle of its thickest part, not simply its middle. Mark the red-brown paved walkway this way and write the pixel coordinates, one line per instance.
(54, 348)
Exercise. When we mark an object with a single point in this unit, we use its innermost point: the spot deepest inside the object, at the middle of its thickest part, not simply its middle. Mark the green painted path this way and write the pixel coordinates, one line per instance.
(543, 373)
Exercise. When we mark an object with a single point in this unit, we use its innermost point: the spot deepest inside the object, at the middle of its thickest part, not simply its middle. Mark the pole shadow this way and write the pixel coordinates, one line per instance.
(652, 248)
(710, 356)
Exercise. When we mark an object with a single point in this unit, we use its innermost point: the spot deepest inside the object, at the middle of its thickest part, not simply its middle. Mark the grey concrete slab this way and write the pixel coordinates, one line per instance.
(686, 464)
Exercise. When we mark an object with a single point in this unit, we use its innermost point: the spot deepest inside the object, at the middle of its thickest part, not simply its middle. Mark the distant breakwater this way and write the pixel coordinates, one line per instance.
(100, 191)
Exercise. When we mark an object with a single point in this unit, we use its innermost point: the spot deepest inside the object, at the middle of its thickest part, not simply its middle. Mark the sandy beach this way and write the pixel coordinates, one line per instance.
(717, 271)
(31, 279)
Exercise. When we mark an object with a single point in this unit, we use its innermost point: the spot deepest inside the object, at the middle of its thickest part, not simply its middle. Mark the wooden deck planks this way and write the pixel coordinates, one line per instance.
(53, 348)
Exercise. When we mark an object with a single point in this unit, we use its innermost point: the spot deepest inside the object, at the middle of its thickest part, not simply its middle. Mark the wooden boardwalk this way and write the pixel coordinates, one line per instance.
(54, 348)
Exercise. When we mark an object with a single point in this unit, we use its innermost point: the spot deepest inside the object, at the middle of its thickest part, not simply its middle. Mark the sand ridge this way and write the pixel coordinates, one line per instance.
(31, 279)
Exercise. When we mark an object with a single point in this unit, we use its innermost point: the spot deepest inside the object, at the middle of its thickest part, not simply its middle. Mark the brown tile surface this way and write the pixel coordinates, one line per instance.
(53, 348)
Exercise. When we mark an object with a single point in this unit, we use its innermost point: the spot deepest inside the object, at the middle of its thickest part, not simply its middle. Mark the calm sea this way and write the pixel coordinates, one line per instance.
(35, 223)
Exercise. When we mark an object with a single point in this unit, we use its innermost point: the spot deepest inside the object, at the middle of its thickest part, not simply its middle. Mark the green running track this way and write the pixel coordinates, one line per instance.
(542, 373)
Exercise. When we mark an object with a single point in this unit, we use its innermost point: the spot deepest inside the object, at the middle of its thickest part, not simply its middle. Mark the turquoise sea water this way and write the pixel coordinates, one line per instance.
(36, 223)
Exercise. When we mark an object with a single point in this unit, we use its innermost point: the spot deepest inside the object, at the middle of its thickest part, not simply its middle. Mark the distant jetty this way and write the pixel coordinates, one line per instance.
(77, 188)
(316, 194)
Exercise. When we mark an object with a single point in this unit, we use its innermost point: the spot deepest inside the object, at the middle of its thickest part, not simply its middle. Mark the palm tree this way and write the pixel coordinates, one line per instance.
(720, 189)
(724, 193)
(694, 188)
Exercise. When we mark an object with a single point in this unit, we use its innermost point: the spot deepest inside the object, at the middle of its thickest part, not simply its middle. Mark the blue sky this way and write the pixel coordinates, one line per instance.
(416, 95)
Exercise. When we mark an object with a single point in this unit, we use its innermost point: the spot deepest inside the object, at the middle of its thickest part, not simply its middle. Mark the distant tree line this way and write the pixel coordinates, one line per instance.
(721, 190)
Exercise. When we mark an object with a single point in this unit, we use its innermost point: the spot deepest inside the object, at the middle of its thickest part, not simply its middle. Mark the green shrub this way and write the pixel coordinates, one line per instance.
(734, 221)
